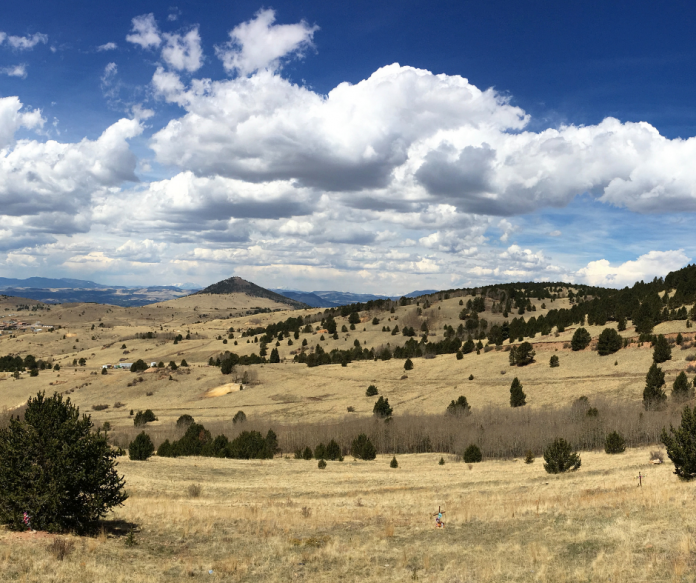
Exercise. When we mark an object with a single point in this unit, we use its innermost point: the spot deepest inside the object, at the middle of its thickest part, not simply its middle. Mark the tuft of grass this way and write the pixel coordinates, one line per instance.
(194, 490)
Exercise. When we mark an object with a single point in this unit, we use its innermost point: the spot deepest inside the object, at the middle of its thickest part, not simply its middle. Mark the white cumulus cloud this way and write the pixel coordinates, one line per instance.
(646, 267)
(145, 32)
(259, 44)
(183, 52)
(26, 43)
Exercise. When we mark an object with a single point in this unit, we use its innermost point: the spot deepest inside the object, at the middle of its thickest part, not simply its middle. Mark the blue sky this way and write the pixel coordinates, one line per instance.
(374, 147)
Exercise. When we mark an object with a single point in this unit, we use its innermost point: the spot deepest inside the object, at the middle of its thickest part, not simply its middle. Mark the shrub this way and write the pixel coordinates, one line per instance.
(184, 421)
(408, 365)
(560, 457)
(681, 445)
(614, 443)
(529, 457)
(55, 468)
(362, 448)
(321, 465)
(104, 371)
(172, 365)
(34, 372)
(99, 407)
(333, 451)
(553, 363)
(249, 445)
(393, 463)
(184, 363)
(139, 366)
(141, 447)
(165, 449)
(653, 395)
(371, 391)
(581, 339)
(517, 396)
(307, 454)
(194, 491)
(320, 452)
(609, 342)
(661, 351)
(382, 408)
(682, 389)
(472, 454)
(239, 417)
(459, 407)
(471, 377)
(441, 462)
(143, 417)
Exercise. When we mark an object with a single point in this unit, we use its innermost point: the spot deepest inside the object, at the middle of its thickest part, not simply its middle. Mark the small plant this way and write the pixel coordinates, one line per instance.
(408, 365)
(351, 409)
(393, 463)
(471, 377)
(614, 443)
(371, 391)
(194, 491)
(553, 363)
(104, 371)
(130, 539)
(306, 512)
(472, 454)
(529, 457)
(307, 454)
(441, 462)
(321, 465)
(61, 548)
(560, 457)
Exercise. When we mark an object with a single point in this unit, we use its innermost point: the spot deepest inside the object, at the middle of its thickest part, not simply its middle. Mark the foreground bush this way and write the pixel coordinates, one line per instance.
(560, 457)
(55, 468)
(681, 445)
(141, 447)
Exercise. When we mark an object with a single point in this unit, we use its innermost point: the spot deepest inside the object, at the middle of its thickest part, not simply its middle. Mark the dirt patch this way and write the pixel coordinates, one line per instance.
(30, 535)
(222, 390)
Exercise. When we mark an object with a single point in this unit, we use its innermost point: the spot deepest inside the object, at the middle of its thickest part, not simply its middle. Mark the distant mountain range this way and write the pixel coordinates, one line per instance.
(332, 299)
(63, 290)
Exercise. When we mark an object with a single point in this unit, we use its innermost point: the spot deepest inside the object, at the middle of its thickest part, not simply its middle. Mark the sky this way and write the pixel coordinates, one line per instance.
(365, 147)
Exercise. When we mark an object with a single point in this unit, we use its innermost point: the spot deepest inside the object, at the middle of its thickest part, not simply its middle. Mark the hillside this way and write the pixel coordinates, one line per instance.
(237, 285)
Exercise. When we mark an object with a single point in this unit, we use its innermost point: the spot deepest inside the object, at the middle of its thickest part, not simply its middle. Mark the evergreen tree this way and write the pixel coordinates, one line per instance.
(408, 365)
(394, 464)
(662, 351)
(371, 391)
(581, 339)
(362, 448)
(614, 443)
(382, 408)
(459, 407)
(517, 396)
(275, 357)
(622, 324)
(472, 454)
(653, 394)
(609, 342)
(56, 469)
(682, 389)
(553, 362)
(141, 447)
(333, 451)
(681, 445)
(560, 457)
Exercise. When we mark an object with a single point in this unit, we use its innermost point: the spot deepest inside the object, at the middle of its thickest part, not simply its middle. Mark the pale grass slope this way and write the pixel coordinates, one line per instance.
(285, 520)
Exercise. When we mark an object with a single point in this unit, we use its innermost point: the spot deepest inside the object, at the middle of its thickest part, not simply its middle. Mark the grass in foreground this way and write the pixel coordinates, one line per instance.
(286, 520)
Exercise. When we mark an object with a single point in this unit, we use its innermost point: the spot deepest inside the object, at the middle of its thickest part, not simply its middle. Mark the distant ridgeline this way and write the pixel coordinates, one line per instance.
(642, 304)
(237, 285)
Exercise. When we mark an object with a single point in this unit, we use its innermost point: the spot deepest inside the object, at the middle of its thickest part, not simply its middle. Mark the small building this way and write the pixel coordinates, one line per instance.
(153, 365)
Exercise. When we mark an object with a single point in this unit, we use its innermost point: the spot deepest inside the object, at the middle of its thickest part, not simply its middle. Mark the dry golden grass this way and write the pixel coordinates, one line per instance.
(286, 520)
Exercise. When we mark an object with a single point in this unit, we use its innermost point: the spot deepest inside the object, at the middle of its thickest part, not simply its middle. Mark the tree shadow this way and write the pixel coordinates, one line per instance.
(118, 528)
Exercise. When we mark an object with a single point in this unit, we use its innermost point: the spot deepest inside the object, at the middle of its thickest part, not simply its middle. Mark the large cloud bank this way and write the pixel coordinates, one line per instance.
(404, 173)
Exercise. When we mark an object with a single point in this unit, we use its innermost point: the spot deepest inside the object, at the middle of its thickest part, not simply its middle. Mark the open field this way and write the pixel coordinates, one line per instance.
(286, 520)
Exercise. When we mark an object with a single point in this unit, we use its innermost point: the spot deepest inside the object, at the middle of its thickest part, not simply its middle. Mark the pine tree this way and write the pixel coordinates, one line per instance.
(653, 394)
(682, 389)
(394, 464)
(275, 357)
(459, 407)
(609, 342)
(681, 445)
(517, 396)
(408, 365)
(472, 454)
(560, 457)
(141, 447)
(581, 339)
(362, 448)
(55, 468)
(662, 351)
(614, 443)
(382, 408)
(553, 362)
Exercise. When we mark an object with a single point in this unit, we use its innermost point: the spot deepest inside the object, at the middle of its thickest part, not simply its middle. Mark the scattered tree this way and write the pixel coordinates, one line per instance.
(609, 342)
(653, 395)
(362, 448)
(662, 351)
(581, 339)
(408, 365)
(517, 396)
(382, 408)
(682, 389)
(141, 447)
(371, 391)
(459, 407)
(614, 443)
(394, 464)
(521, 355)
(472, 454)
(239, 417)
(56, 469)
(560, 457)
(681, 445)
(553, 363)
